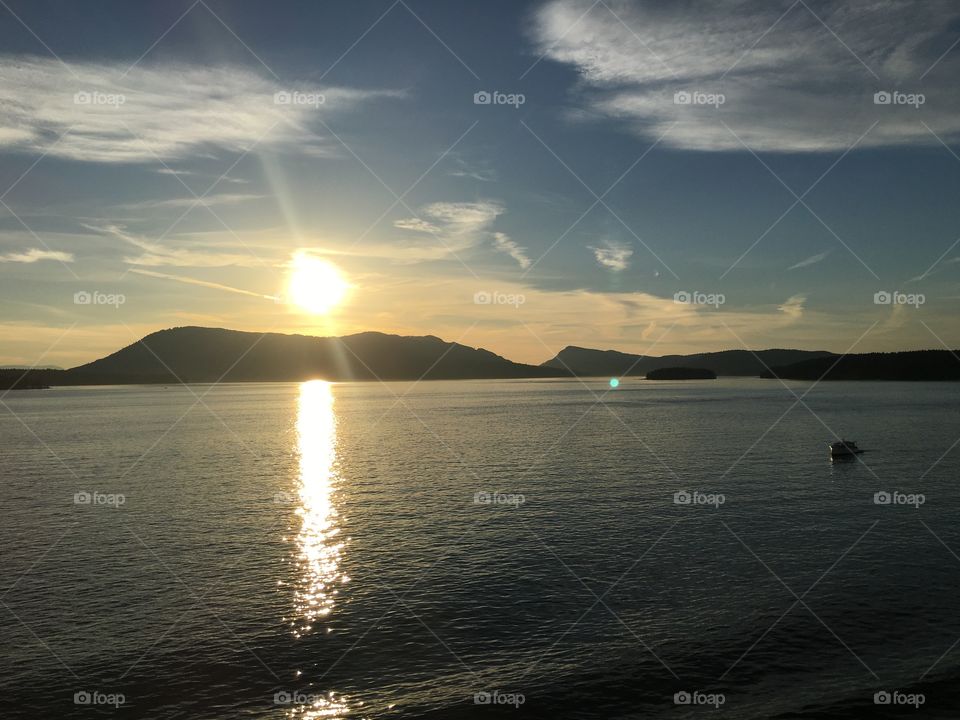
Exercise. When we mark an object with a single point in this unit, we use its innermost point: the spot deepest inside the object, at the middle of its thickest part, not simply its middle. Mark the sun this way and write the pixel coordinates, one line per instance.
(315, 285)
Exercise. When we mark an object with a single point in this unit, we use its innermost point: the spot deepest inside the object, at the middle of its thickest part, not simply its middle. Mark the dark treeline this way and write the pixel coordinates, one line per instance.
(909, 365)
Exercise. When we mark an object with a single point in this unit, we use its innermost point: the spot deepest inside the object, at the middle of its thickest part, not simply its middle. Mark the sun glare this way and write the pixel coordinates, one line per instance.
(316, 285)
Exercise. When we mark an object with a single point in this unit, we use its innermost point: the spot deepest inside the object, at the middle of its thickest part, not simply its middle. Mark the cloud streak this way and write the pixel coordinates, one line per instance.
(503, 243)
(797, 88)
(156, 255)
(455, 227)
(812, 260)
(36, 255)
(97, 112)
(202, 283)
(613, 256)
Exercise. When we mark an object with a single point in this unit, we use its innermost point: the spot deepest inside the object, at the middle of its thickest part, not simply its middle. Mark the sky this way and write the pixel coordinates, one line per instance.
(656, 176)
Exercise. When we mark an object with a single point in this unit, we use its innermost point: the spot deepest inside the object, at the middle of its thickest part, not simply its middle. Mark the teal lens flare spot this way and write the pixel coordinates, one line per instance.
(614, 382)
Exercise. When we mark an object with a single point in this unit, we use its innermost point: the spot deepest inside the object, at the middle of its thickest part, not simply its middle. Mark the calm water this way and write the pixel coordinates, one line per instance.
(319, 550)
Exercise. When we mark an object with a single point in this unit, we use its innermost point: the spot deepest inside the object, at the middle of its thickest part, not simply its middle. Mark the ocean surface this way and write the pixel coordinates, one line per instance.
(522, 549)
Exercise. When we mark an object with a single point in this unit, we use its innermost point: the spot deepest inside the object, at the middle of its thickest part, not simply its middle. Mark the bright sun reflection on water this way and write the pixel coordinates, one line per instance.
(318, 546)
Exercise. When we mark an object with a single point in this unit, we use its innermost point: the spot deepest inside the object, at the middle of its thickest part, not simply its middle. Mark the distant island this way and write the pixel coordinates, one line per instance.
(912, 365)
(208, 355)
(681, 373)
(587, 362)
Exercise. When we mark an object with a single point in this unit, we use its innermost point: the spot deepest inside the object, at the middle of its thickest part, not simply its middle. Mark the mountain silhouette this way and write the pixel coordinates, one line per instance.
(207, 355)
(589, 362)
(199, 355)
(908, 365)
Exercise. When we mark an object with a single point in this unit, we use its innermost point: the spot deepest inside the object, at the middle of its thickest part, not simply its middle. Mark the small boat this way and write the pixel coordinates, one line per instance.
(844, 449)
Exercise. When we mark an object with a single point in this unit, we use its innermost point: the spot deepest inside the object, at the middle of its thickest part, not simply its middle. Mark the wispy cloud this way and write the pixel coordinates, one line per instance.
(935, 268)
(188, 173)
(613, 256)
(156, 255)
(793, 307)
(97, 111)
(455, 227)
(790, 84)
(503, 243)
(36, 255)
(812, 260)
(191, 201)
(201, 283)
(463, 169)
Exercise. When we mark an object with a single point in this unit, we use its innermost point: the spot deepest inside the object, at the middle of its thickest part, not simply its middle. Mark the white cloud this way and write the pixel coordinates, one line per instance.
(793, 307)
(185, 173)
(455, 227)
(463, 218)
(613, 256)
(503, 243)
(812, 260)
(799, 89)
(168, 111)
(35, 255)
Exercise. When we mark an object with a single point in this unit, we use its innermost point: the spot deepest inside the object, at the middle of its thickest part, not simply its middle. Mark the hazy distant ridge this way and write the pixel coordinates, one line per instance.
(589, 362)
(909, 365)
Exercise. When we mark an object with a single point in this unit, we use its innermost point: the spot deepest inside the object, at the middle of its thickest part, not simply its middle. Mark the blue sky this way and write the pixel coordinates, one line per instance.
(147, 156)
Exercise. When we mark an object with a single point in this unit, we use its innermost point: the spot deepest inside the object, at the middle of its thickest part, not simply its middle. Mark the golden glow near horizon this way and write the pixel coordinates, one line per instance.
(318, 558)
(316, 286)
